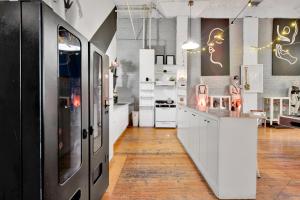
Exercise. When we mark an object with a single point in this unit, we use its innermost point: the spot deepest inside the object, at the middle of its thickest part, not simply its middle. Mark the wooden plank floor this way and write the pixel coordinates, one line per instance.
(151, 164)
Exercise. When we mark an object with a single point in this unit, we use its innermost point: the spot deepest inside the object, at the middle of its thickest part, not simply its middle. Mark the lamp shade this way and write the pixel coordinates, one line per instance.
(190, 45)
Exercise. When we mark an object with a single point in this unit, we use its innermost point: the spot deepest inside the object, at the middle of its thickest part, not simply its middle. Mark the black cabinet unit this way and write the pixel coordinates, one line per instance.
(53, 108)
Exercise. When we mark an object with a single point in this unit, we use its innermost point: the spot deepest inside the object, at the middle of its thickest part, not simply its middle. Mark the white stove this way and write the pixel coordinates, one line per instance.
(165, 114)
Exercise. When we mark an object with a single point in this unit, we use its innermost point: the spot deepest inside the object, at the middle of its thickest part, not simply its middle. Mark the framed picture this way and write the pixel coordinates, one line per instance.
(170, 59)
(215, 59)
(286, 47)
(159, 59)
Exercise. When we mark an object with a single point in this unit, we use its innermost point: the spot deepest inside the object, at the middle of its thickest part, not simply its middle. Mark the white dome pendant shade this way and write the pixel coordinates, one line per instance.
(190, 44)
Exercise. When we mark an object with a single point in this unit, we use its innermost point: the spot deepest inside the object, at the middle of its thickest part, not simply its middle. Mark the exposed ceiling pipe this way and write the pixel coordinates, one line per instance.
(141, 8)
(129, 12)
(150, 29)
(144, 31)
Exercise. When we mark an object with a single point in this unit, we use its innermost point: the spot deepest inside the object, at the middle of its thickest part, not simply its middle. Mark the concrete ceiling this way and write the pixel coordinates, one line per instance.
(213, 8)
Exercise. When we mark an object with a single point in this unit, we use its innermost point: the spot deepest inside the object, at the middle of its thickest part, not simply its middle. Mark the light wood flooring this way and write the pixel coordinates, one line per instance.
(151, 164)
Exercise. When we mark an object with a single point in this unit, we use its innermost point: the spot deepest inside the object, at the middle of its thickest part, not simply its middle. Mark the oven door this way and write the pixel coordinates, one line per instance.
(65, 110)
(165, 114)
(98, 120)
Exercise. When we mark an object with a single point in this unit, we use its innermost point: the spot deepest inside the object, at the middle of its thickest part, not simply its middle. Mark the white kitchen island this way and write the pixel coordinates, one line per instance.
(223, 146)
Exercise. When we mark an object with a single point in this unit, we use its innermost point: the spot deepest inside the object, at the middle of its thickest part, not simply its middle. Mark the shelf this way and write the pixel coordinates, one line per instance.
(165, 65)
(166, 73)
(165, 83)
(147, 106)
(147, 97)
(147, 82)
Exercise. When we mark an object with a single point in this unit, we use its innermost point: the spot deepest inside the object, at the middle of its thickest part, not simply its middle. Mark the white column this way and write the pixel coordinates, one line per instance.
(250, 57)
(181, 37)
(181, 56)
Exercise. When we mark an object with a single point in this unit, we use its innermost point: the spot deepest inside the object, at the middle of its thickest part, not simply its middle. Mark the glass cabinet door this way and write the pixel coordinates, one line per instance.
(285, 106)
(267, 103)
(276, 108)
(69, 105)
(97, 107)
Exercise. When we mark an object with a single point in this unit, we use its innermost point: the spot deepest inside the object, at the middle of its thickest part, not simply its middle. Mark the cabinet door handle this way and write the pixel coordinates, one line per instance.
(84, 134)
(91, 130)
(194, 115)
(208, 121)
(106, 104)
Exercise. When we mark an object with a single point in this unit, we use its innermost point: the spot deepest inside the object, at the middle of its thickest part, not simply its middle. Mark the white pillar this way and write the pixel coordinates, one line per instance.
(181, 37)
(181, 56)
(250, 57)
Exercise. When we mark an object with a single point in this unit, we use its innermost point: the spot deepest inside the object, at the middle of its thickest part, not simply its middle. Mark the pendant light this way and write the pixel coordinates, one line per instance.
(190, 44)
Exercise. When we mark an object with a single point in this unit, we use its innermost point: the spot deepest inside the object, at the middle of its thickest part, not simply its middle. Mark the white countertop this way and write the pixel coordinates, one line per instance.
(221, 113)
(121, 105)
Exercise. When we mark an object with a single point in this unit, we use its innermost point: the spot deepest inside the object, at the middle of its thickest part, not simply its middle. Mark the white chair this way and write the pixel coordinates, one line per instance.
(261, 117)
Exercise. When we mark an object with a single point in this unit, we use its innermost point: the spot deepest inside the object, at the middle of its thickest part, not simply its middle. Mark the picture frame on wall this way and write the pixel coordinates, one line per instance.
(159, 59)
(170, 60)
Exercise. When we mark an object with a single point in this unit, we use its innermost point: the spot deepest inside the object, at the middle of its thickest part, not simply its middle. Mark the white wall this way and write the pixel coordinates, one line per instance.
(94, 12)
(163, 34)
(273, 85)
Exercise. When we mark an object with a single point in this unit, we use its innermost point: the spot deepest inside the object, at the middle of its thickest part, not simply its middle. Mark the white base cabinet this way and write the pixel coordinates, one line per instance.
(118, 123)
(223, 149)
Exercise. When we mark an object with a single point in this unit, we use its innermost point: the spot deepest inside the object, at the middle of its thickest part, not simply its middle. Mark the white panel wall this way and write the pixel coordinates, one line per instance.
(112, 53)
(181, 37)
(250, 57)
(250, 30)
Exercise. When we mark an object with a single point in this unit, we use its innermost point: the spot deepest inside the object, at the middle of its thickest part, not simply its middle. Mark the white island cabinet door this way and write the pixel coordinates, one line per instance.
(186, 124)
(212, 152)
(202, 144)
(194, 137)
(180, 124)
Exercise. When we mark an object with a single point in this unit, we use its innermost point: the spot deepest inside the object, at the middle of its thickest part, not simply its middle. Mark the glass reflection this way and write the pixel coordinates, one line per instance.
(69, 105)
(97, 87)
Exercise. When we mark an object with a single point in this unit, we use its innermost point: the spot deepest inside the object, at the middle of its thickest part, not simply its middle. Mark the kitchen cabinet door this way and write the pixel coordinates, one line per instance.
(212, 150)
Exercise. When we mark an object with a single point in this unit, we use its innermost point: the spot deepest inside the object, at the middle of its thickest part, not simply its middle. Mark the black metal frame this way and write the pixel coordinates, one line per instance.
(28, 92)
(98, 188)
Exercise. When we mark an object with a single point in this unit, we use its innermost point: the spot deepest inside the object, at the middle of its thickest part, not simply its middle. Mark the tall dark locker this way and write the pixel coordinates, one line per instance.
(46, 136)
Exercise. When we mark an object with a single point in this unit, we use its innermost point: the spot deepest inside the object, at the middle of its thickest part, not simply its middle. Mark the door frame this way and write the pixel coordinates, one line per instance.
(98, 188)
(78, 181)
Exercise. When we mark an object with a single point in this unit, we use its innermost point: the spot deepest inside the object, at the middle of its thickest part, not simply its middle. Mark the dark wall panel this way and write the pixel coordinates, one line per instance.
(31, 117)
(10, 142)
(103, 36)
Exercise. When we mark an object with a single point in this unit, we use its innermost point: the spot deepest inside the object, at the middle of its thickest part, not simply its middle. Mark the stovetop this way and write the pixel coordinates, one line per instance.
(165, 104)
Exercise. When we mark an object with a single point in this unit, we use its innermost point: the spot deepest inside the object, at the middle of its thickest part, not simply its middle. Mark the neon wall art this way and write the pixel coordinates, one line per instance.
(286, 49)
(215, 39)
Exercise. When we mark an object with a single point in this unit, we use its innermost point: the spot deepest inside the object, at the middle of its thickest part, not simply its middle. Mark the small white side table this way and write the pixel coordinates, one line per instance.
(276, 106)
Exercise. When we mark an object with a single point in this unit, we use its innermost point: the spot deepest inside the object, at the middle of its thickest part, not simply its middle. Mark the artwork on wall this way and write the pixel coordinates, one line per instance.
(170, 60)
(286, 47)
(159, 59)
(215, 47)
